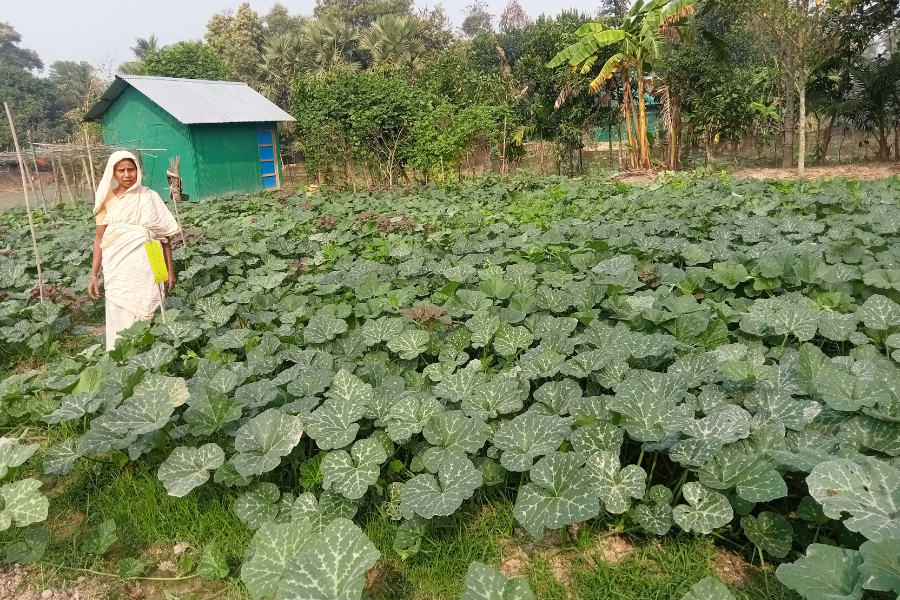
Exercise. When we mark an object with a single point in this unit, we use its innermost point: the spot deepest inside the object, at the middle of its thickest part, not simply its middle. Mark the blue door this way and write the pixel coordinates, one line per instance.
(266, 140)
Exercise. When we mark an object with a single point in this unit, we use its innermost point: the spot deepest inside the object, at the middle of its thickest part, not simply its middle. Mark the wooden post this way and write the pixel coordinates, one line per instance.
(174, 176)
(56, 180)
(36, 172)
(37, 256)
(87, 143)
(66, 180)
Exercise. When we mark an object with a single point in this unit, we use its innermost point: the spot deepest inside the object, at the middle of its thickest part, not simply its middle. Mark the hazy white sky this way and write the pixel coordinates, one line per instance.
(101, 31)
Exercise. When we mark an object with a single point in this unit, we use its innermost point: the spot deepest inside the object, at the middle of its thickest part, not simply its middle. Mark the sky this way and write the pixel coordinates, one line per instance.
(101, 31)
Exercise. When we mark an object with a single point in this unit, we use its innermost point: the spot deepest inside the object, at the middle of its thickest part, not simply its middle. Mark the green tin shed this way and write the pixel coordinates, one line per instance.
(225, 132)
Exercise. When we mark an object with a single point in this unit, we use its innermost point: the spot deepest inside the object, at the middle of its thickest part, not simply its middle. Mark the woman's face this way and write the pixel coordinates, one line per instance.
(125, 173)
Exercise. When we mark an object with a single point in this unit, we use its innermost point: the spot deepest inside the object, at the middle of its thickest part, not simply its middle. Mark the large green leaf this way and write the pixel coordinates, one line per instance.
(264, 440)
(273, 545)
(187, 468)
(21, 504)
(881, 565)
(528, 436)
(99, 539)
(655, 513)
(332, 568)
(500, 396)
(868, 492)
(334, 424)
(428, 495)
(258, 506)
(351, 474)
(615, 485)
(322, 328)
(13, 454)
(709, 588)
(408, 415)
(825, 573)
(705, 511)
(559, 494)
(209, 410)
(30, 548)
(452, 434)
(770, 531)
(483, 582)
(646, 403)
(754, 479)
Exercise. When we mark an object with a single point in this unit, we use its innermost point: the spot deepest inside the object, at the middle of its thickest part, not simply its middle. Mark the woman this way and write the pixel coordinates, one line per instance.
(128, 216)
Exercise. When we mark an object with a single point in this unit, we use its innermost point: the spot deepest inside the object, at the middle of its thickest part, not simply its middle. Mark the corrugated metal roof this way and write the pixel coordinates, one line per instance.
(195, 100)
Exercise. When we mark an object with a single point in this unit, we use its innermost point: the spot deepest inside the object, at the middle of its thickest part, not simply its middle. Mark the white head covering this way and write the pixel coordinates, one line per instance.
(109, 182)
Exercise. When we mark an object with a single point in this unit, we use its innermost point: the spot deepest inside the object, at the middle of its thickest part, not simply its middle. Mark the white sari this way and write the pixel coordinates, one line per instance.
(139, 216)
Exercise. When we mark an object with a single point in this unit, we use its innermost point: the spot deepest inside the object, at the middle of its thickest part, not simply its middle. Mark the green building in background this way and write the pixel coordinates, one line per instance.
(224, 132)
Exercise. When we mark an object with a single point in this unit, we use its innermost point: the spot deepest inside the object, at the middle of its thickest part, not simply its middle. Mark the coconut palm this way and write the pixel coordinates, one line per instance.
(144, 46)
(637, 43)
(394, 42)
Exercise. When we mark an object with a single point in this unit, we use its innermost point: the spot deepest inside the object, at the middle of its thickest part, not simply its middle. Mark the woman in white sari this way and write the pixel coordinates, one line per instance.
(128, 216)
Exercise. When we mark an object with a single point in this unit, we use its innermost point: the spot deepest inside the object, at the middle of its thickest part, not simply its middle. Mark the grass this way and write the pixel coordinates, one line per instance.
(150, 523)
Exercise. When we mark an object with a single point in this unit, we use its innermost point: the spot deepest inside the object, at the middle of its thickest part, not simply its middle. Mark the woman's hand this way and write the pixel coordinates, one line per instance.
(94, 287)
(171, 285)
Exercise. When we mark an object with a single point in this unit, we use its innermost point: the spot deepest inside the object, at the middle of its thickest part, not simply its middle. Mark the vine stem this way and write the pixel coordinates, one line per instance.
(92, 572)
(652, 468)
(680, 486)
(641, 457)
(762, 563)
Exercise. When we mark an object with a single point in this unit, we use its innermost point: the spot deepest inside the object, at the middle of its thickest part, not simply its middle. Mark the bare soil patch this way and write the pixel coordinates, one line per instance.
(16, 583)
(615, 548)
(862, 172)
(731, 568)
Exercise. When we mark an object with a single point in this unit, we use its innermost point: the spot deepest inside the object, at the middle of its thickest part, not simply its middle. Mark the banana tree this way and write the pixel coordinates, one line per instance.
(638, 43)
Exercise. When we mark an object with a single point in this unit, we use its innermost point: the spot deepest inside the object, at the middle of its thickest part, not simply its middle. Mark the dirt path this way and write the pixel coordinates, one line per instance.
(862, 171)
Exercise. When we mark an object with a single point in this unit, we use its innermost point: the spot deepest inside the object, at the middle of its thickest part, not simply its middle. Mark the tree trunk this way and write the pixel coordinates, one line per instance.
(675, 112)
(826, 140)
(883, 146)
(787, 148)
(628, 103)
(897, 142)
(801, 126)
(644, 148)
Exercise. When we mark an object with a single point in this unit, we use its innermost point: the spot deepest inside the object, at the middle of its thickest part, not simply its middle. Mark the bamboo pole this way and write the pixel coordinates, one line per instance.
(62, 168)
(56, 181)
(37, 256)
(87, 143)
(37, 173)
(87, 180)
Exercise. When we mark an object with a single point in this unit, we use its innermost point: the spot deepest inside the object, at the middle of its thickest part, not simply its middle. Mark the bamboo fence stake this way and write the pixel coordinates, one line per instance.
(37, 256)
(62, 168)
(87, 143)
(37, 173)
(87, 180)
(56, 181)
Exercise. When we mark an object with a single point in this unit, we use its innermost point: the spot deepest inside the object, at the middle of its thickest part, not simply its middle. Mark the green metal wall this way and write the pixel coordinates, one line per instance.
(227, 157)
(215, 158)
(135, 121)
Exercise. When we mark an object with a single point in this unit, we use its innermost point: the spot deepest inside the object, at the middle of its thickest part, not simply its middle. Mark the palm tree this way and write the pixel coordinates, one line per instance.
(283, 58)
(638, 43)
(874, 103)
(331, 43)
(143, 46)
(394, 42)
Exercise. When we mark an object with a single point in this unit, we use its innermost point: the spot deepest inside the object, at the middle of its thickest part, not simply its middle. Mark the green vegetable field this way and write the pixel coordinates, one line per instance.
(387, 395)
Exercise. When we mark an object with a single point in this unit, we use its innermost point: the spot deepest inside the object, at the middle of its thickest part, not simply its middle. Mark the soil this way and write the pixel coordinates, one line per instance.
(730, 568)
(860, 171)
(615, 548)
(15, 585)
